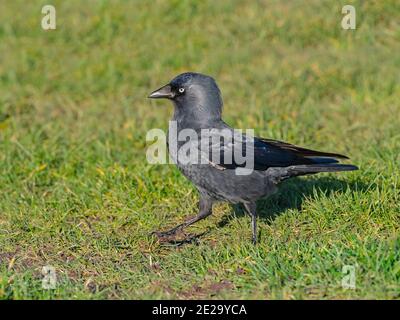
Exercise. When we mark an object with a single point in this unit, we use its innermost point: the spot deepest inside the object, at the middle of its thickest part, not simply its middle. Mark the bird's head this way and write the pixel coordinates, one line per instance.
(195, 96)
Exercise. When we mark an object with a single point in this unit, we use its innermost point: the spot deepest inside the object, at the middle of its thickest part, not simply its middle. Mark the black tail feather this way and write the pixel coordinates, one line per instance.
(301, 170)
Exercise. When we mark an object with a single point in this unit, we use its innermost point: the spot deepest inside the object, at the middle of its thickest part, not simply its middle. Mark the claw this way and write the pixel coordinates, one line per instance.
(168, 233)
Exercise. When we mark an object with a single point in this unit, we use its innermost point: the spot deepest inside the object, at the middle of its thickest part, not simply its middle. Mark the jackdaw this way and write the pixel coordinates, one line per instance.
(198, 106)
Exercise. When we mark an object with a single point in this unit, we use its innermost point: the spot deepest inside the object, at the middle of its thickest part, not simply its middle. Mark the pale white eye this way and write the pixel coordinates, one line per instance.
(181, 90)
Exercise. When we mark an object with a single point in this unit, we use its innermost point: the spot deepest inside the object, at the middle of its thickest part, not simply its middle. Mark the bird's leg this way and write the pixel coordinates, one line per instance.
(205, 209)
(251, 210)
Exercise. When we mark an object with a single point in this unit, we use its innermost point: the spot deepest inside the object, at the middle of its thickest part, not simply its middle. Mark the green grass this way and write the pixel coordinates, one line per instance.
(77, 193)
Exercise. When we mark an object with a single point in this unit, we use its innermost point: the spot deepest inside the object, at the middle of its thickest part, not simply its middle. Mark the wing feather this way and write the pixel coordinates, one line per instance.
(267, 153)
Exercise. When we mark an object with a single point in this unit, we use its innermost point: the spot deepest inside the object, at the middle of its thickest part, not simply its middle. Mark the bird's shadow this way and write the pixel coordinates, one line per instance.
(291, 195)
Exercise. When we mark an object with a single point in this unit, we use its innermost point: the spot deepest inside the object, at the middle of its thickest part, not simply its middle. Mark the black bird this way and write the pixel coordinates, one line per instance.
(198, 106)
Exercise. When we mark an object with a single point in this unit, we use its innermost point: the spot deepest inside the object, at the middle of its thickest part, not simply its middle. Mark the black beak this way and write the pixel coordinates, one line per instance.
(163, 92)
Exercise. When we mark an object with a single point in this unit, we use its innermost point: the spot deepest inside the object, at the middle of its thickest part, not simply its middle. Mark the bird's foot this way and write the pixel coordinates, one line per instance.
(168, 233)
(172, 238)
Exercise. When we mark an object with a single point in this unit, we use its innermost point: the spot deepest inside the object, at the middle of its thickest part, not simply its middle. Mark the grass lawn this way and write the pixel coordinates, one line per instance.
(76, 191)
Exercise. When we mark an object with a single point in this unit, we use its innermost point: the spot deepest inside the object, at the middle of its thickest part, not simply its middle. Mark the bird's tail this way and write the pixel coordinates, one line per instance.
(301, 170)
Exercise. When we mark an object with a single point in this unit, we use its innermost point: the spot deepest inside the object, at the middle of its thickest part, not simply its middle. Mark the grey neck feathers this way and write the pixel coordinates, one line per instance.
(201, 107)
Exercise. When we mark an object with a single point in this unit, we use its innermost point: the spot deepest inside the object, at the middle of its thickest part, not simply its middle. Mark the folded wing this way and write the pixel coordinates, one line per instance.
(265, 153)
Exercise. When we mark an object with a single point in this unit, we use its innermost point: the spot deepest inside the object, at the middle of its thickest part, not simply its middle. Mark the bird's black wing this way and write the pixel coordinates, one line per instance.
(300, 150)
(265, 153)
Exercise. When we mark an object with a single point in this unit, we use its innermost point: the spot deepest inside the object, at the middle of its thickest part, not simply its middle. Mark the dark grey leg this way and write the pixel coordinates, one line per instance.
(251, 210)
(205, 209)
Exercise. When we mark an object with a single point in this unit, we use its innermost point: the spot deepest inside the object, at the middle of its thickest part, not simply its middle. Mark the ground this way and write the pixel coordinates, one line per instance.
(76, 191)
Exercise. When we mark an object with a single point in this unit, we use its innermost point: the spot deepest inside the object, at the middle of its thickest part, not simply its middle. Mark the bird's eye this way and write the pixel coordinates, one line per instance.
(181, 90)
